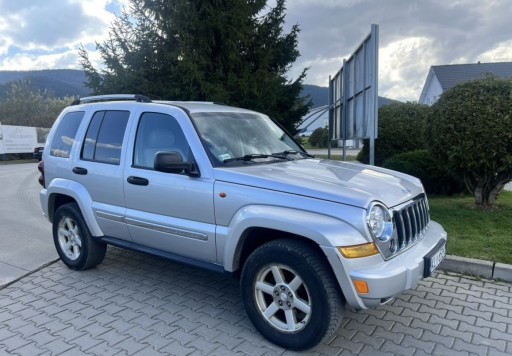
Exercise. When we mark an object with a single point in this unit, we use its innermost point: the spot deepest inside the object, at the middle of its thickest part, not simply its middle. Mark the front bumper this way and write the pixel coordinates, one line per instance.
(385, 279)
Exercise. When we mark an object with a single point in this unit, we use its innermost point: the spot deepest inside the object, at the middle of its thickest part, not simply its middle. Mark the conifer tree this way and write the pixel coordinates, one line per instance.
(230, 51)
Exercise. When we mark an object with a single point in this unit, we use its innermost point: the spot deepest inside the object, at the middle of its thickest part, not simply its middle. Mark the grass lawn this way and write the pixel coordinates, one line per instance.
(473, 233)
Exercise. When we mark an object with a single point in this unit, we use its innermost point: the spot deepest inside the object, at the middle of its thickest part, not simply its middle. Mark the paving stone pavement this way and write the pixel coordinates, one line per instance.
(134, 304)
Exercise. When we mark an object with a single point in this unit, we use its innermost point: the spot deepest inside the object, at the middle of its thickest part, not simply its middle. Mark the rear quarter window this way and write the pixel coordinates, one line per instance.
(104, 137)
(65, 134)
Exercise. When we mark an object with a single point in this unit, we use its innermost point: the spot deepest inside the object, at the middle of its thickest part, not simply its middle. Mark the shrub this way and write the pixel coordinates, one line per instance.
(470, 132)
(401, 129)
(421, 164)
(319, 137)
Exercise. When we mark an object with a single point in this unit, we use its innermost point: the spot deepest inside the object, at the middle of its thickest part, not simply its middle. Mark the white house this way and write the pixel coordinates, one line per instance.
(444, 77)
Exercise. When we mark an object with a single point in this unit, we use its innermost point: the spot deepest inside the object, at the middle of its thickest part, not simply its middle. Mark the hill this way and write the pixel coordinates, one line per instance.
(62, 82)
(320, 96)
(71, 82)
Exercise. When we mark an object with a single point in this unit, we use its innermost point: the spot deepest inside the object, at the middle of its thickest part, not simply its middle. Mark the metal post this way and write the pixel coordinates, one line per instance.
(374, 133)
(331, 120)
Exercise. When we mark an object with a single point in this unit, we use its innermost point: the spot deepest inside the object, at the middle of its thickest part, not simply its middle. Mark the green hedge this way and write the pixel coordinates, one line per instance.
(421, 164)
(401, 129)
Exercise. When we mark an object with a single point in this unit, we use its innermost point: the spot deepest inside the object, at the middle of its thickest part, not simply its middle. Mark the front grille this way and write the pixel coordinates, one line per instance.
(410, 222)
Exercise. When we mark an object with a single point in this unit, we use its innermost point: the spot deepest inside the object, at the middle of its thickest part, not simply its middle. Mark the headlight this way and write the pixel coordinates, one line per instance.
(380, 222)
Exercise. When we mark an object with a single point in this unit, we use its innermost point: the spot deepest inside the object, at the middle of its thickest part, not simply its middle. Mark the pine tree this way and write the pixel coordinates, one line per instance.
(229, 51)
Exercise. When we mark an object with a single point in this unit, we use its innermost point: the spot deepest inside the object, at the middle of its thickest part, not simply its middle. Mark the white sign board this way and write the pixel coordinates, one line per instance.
(17, 139)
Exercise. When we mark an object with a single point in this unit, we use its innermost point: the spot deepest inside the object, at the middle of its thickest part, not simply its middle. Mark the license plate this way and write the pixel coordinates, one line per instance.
(434, 258)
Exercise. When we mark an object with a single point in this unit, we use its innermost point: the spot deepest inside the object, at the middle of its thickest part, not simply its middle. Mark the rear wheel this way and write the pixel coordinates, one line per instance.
(290, 294)
(73, 240)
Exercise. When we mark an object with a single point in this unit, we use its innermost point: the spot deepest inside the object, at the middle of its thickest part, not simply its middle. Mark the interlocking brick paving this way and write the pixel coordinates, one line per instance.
(134, 304)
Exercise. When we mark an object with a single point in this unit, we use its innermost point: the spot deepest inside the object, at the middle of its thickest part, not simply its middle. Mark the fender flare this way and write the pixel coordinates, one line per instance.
(321, 229)
(77, 191)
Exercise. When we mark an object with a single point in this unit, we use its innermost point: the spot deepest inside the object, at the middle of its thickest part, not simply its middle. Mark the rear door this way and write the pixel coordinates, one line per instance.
(98, 168)
(165, 211)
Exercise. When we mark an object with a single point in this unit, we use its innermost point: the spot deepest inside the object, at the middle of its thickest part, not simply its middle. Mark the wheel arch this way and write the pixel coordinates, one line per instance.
(55, 201)
(255, 225)
(62, 191)
(257, 236)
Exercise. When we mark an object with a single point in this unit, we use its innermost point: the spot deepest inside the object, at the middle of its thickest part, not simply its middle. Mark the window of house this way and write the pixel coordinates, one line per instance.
(104, 137)
(64, 136)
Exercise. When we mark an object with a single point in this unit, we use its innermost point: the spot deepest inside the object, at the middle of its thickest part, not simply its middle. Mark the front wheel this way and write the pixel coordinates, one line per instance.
(290, 294)
(73, 240)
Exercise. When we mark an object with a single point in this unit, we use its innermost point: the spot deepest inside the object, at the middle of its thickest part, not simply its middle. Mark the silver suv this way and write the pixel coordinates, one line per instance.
(227, 189)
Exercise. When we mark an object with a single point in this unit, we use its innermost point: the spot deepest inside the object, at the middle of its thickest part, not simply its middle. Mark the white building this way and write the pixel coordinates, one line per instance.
(444, 77)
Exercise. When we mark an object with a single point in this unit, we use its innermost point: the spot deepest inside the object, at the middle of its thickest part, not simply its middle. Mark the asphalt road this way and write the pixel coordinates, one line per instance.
(25, 235)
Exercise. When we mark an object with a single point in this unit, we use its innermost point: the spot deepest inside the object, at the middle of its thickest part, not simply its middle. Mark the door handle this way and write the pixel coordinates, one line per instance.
(80, 170)
(137, 180)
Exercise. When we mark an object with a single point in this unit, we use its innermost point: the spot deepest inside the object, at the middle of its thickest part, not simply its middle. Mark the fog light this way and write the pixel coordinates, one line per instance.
(358, 251)
(361, 287)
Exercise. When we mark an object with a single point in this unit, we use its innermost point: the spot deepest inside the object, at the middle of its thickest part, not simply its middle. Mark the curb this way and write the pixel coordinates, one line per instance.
(485, 269)
(14, 280)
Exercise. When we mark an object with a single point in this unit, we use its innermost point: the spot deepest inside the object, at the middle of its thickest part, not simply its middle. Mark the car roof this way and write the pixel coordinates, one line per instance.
(134, 99)
(202, 106)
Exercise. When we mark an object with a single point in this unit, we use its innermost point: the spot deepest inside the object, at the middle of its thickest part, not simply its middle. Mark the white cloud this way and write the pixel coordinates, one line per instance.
(414, 35)
(46, 34)
(318, 67)
(402, 66)
(502, 52)
(66, 60)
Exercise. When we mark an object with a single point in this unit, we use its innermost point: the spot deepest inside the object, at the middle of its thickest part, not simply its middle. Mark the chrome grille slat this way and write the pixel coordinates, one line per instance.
(418, 220)
(408, 227)
(425, 212)
(410, 222)
(400, 229)
(413, 223)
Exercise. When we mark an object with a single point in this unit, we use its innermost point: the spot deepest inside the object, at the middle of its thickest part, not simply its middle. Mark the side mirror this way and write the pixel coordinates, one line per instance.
(172, 162)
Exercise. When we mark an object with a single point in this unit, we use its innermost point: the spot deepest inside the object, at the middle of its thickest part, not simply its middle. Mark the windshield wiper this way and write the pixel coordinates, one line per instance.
(293, 152)
(257, 155)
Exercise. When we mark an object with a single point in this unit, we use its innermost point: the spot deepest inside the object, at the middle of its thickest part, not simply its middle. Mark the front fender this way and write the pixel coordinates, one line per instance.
(322, 230)
(75, 190)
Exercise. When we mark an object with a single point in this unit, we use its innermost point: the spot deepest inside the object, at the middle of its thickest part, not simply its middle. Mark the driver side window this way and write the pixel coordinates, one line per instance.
(158, 133)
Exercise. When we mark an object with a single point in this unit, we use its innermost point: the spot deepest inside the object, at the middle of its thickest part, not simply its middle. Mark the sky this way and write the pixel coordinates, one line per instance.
(413, 35)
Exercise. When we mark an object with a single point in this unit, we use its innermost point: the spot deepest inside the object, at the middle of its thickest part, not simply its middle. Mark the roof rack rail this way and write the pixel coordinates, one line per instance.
(112, 97)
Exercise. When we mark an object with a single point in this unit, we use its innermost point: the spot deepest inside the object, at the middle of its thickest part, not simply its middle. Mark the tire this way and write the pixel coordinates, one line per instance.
(290, 294)
(73, 240)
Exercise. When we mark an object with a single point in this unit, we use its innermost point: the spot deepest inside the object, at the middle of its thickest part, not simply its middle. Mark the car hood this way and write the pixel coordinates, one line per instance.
(343, 182)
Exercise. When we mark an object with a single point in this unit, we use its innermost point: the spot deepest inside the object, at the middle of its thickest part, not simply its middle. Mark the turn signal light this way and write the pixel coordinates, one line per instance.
(358, 251)
(362, 287)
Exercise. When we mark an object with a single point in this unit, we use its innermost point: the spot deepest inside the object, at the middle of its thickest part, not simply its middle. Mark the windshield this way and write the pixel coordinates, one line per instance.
(242, 137)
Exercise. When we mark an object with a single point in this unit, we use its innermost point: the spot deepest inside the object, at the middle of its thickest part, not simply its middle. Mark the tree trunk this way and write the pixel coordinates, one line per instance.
(486, 192)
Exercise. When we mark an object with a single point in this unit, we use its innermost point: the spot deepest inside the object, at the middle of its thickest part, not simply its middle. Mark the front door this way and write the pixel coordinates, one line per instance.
(166, 211)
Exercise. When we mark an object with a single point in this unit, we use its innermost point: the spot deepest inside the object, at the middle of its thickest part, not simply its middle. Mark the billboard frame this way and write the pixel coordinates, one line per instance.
(353, 96)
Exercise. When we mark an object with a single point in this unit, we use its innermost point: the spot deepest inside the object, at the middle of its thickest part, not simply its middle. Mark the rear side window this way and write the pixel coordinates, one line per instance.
(65, 134)
(104, 137)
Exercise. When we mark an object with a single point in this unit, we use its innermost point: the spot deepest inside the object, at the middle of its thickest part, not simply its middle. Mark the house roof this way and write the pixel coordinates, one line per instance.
(453, 74)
